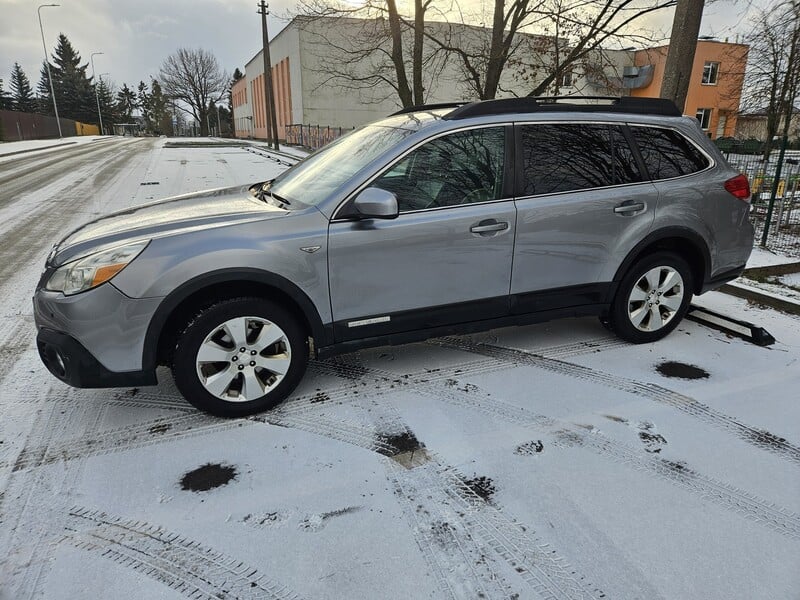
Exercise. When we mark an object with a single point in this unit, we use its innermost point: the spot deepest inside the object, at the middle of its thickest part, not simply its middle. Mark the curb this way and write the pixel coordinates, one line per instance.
(772, 300)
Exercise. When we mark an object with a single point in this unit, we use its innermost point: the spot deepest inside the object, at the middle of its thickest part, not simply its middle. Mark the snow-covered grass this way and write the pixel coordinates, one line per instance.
(548, 461)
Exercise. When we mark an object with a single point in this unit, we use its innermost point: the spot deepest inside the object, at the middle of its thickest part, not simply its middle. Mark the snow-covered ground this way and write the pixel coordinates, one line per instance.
(550, 461)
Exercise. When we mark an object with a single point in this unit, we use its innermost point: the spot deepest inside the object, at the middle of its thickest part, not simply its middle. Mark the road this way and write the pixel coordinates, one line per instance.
(550, 461)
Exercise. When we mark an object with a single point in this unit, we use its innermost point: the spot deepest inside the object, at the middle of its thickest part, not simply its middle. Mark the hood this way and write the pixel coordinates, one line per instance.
(200, 210)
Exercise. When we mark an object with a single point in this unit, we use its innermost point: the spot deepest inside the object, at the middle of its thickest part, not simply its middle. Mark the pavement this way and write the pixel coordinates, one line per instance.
(549, 461)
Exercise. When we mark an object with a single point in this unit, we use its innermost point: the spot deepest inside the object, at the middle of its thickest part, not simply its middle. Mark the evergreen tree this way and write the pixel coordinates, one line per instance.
(108, 106)
(73, 89)
(22, 94)
(43, 96)
(126, 103)
(159, 109)
(5, 99)
(143, 101)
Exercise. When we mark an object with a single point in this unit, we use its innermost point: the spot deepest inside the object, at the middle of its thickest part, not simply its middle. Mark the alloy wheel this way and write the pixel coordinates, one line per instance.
(243, 359)
(655, 298)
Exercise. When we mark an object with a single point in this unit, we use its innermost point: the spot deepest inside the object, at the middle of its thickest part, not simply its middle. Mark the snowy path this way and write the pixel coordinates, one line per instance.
(543, 462)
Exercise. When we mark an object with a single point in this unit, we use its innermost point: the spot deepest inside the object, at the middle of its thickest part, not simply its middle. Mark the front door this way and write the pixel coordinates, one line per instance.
(446, 258)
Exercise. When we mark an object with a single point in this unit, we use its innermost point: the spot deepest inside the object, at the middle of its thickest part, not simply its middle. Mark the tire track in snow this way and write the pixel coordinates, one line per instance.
(184, 565)
(458, 532)
(752, 507)
(759, 438)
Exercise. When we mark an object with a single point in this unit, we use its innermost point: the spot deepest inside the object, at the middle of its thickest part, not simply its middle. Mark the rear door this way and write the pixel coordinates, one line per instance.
(583, 202)
(446, 258)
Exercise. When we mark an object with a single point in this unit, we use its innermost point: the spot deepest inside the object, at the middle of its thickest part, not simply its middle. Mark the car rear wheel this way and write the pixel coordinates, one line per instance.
(239, 357)
(652, 298)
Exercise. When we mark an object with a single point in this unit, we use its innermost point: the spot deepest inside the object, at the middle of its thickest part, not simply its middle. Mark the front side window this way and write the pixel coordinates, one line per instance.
(572, 157)
(460, 168)
(667, 153)
(710, 73)
(704, 117)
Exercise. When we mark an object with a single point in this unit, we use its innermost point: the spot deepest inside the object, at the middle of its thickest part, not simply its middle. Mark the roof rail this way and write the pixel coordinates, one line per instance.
(625, 104)
(422, 107)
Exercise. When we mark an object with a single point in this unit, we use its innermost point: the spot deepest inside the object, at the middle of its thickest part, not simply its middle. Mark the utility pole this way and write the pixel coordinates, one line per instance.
(96, 95)
(682, 47)
(47, 62)
(269, 97)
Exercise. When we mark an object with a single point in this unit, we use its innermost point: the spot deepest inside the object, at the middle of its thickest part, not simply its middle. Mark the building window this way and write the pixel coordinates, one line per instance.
(704, 116)
(710, 73)
(566, 79)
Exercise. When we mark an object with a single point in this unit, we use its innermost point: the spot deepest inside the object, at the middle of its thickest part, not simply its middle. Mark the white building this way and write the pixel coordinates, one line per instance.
(335, 73)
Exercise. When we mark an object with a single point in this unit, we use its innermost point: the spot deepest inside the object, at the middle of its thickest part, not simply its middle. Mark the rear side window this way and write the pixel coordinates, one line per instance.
(667, 153)
(562, 158)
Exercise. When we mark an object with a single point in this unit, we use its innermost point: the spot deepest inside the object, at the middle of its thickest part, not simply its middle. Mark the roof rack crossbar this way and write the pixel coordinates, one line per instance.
(624, 104)
(423, 107)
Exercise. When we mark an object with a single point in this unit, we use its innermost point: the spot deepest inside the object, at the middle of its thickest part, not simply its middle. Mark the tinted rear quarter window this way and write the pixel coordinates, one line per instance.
(572, 157)
(666, 153)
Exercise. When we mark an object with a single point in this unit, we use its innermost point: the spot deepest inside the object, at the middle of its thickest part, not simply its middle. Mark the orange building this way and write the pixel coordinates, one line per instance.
(715, 88)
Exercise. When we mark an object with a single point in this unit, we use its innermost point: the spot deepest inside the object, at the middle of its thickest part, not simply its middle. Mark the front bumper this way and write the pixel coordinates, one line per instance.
(73, 364)
(101, 332)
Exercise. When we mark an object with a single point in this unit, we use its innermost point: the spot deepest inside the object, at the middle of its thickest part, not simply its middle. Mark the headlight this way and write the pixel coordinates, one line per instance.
(88, 272)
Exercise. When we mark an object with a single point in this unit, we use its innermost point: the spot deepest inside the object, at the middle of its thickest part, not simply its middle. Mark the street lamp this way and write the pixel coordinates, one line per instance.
(96, 96)
(47, 62)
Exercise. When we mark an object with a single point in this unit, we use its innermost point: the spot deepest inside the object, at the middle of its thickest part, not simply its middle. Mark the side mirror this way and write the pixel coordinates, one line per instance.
(375, 203)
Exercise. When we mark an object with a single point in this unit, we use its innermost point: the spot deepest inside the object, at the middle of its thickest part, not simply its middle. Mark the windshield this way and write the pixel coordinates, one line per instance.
(315, 178)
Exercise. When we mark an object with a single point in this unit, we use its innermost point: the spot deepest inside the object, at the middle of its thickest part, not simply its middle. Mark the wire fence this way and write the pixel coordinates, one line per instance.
(783, 232)
(313, 136)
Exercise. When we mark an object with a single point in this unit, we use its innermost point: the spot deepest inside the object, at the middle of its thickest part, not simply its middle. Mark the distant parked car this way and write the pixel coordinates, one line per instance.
(435, 220)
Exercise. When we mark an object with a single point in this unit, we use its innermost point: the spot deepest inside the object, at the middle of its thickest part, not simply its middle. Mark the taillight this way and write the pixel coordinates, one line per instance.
(739, 187)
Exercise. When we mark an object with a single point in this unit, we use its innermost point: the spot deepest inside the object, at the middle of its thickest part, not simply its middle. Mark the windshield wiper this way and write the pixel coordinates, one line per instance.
(280, 199)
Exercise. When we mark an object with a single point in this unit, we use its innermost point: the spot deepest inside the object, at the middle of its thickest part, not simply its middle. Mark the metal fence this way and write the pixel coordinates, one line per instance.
(313, 136)
(783, 233)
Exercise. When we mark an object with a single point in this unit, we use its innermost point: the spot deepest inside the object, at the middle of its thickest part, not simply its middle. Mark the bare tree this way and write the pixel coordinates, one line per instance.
(543, 39)
(773, 75)
(371, 49)
(194, 78)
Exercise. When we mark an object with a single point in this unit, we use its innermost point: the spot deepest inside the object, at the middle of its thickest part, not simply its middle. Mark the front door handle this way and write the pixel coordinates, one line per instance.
(624, 209)
(489, 226)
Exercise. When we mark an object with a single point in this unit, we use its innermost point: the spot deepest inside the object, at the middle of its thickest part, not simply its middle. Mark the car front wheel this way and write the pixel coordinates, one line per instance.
(652, 298)
(239, 357)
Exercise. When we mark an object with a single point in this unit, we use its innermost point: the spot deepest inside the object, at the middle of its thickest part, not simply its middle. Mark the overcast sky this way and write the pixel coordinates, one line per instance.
(136, 36)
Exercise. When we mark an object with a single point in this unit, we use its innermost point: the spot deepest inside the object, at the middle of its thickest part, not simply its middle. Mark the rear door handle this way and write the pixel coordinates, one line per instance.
(484, 227)
(624, 209)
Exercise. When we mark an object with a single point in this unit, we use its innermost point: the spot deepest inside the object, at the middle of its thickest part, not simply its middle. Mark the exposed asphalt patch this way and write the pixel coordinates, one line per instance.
(652, 441)
(400, 443)
(208, 477)
(161, 428)
(529, 448)
(319, 398)
(681, 370)
(482, 486)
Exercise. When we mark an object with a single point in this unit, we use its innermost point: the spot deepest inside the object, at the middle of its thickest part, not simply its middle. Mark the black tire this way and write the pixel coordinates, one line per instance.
(208, 321)
(619, 316)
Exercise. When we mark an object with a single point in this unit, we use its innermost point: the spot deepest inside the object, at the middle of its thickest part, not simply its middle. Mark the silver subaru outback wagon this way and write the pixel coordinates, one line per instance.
(435, 220)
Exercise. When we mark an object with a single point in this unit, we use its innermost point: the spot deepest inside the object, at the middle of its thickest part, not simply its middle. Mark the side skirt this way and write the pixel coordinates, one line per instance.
(524, 309)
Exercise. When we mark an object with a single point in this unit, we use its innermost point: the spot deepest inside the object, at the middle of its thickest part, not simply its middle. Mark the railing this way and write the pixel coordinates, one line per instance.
(313, 136)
